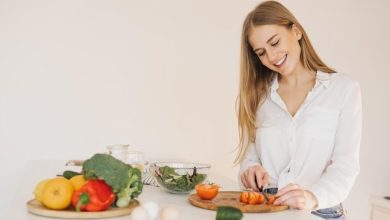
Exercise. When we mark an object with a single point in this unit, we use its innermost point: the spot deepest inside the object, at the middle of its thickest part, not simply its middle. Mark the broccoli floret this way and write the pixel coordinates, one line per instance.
(132, 190)
(125, 180)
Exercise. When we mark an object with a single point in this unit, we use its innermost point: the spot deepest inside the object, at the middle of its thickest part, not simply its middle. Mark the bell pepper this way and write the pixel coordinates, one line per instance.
(94, 195)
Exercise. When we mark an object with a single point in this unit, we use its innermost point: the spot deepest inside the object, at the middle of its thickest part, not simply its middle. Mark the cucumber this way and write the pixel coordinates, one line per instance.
(69, 174)
(228, 213)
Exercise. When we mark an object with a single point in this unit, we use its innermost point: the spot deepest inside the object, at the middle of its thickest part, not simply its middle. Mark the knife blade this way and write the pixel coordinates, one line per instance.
(261, 191)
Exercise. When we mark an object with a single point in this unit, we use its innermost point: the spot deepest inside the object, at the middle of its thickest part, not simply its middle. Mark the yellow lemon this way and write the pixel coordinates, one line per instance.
(39, 190)
(57, 193)
(77, 181)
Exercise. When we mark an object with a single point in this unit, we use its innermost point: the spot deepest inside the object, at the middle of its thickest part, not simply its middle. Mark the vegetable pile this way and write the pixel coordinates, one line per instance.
(123, 178)
(104, 182)
(167, 177)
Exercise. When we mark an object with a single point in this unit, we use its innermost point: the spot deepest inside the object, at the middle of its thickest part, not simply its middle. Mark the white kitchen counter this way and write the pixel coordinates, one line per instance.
(38, 170)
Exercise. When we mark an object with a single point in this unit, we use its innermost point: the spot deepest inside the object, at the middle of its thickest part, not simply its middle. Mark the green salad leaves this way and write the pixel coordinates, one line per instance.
(167, 177)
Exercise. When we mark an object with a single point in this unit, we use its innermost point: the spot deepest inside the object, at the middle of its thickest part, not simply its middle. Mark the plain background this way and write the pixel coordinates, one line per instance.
(162, 76)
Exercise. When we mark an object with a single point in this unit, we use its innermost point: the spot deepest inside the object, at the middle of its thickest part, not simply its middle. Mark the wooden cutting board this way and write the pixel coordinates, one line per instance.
(37, 208)
(232, 198)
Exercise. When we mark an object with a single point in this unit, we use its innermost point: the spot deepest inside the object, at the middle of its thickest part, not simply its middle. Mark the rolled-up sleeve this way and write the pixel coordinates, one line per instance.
(336, 182)
(251, 158)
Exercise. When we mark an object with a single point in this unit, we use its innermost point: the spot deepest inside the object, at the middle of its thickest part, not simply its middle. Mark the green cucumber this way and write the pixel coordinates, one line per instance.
(228, 213)
(69, 174)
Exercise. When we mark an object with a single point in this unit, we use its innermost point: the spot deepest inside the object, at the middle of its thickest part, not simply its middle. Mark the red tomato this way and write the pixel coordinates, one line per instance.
(207, 191)
(244, 197)
(252, 198)
(271, 200)
(260, 198)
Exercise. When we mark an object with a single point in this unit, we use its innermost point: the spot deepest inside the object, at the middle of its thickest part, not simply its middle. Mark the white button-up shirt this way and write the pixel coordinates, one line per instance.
(318, 148)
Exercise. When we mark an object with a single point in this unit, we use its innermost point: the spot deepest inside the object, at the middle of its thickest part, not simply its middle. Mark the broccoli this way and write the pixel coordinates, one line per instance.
(125, 180)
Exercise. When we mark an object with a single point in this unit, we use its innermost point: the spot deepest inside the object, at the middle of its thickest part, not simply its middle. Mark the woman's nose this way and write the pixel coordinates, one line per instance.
(272, 57)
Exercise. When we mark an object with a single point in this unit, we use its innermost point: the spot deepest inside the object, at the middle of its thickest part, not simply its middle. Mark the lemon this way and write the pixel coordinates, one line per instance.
(39, 190)
(57, 193)
(77, 181)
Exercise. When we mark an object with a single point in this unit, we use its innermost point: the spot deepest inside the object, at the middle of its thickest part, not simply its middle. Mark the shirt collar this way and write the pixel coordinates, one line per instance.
(275, 83)
(321, 78)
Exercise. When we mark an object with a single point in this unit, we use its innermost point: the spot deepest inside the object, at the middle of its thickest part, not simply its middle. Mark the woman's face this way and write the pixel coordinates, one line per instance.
(277, 47)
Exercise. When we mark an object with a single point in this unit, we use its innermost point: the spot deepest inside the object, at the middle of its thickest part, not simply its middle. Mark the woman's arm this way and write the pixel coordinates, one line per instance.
(337, 180)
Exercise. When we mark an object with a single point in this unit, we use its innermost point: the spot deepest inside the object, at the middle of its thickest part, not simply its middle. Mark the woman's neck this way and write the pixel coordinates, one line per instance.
(300, 76)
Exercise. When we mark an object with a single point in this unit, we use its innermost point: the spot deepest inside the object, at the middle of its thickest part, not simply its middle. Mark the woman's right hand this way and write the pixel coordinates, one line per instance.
(255, 177)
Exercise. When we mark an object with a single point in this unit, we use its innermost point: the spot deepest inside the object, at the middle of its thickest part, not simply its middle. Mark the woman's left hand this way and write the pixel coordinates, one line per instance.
(296, 197)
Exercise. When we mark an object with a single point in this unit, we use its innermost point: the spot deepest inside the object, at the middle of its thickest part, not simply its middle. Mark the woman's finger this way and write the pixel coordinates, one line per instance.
(243, 180)
(251, 179)
(296, 202)
(288, 196)
(286, 189)
(265, 179)
(259, 178)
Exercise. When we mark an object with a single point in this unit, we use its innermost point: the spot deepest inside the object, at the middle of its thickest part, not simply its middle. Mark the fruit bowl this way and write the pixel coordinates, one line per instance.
(179, 177)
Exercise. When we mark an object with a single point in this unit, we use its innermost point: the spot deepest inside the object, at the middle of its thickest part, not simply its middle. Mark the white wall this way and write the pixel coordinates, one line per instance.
(76, 76)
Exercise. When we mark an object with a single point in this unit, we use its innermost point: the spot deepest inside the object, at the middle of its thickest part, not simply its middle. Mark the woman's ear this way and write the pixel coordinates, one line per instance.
(296, 31)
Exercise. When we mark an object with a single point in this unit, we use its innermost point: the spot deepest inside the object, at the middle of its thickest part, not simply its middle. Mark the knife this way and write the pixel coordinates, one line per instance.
(261, 191)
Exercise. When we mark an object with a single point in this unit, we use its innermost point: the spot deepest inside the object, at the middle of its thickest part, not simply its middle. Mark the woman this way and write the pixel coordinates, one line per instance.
(299, 120)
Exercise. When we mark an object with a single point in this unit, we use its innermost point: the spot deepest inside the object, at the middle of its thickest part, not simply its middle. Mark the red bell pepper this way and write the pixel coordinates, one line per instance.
(94, 195)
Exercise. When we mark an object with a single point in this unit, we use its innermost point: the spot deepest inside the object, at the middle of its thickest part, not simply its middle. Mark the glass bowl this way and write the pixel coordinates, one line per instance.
(179, 177)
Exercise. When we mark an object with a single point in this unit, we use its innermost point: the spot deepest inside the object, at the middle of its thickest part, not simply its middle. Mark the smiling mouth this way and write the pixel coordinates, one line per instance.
(281, 61)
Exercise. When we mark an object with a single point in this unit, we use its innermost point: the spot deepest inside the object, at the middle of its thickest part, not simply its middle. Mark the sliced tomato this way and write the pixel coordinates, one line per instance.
(207, 191)
(260, 198)
(244, 197)
(252, 198)
(271, 200)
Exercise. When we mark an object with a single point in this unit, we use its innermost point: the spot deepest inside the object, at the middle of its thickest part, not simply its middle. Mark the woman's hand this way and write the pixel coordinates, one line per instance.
(254, 177)
(296, 197)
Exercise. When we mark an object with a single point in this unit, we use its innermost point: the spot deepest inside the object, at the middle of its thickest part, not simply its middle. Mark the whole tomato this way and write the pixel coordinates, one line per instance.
(207, 191)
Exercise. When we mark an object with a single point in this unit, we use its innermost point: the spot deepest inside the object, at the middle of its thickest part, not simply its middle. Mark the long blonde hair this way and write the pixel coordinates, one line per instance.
(255, 78)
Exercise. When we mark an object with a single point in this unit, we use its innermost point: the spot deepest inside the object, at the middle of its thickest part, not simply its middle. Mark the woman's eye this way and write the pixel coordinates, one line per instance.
(261, 54)
(275, 43)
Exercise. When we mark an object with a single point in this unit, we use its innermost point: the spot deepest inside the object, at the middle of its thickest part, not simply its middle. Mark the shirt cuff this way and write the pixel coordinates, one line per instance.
(321, 196)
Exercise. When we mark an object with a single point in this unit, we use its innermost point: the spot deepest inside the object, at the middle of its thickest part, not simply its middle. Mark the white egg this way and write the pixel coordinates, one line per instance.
(170, 213)
(152, 208)
(139, 213)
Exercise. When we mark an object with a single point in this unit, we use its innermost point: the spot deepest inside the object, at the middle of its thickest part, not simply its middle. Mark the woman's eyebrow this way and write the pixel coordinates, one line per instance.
(257, 49)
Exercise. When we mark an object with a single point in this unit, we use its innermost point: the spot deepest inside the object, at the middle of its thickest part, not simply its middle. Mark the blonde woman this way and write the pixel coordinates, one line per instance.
(299, 120)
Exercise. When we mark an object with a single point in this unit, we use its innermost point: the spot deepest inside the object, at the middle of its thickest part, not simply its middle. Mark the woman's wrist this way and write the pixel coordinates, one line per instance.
(312, 202)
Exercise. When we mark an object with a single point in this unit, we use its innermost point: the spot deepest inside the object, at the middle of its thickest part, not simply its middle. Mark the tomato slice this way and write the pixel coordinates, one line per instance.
(271, 200)
(244, 197)
(260, 198)
(207, 191)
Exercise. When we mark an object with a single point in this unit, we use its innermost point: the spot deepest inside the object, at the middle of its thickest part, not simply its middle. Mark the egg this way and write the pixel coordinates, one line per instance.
(139, 213)
(169, 213)
(151, 208)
